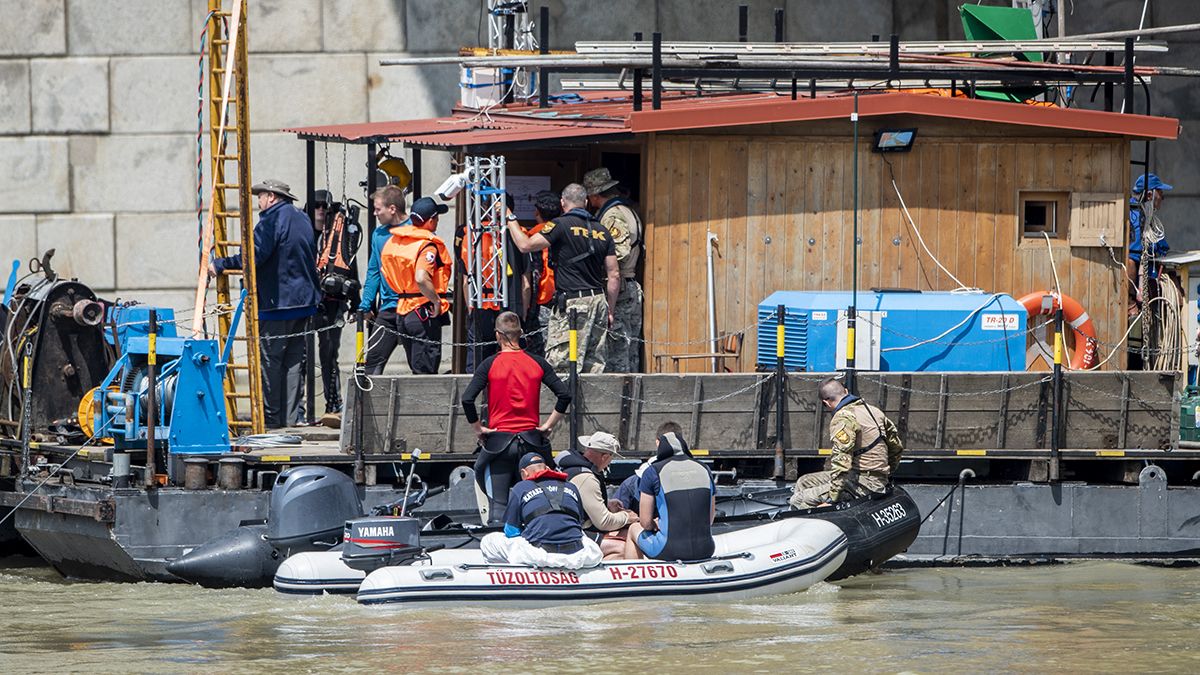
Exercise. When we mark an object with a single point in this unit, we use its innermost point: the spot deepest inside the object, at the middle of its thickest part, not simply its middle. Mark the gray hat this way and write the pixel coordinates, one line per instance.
(272, 185)
(598, 180)
(601, 441)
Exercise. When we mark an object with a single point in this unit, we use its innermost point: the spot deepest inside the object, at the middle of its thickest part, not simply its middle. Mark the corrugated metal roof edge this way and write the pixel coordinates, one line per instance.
(896, 103)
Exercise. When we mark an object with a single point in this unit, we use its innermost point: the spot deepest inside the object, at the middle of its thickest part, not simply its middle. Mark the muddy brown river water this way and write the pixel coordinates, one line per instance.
(1081, 617)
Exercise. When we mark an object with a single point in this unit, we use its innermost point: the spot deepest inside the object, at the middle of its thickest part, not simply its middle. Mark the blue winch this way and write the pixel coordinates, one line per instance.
(191, 416)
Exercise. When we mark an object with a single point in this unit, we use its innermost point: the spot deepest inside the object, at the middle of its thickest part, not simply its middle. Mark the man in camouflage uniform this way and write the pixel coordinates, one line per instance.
(586, 279)
(616, 214)
(866, 450)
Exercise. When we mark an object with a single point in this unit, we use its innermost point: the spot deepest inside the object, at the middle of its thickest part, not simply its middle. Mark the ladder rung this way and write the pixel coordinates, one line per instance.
(241, 423)
(232, 273)
(227, 214)
(238, 366)
(236, 394)
(227, 186)
(230, 157)
(220, 41)
(223, 242)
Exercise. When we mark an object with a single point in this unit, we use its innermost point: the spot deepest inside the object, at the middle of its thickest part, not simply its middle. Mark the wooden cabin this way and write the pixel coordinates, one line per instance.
(986, 184)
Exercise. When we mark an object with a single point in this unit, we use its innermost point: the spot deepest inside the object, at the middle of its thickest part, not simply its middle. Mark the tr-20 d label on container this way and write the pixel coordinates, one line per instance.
(1000, 322)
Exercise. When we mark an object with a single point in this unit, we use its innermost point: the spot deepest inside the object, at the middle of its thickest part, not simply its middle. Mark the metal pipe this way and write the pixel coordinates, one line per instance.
(779, 25)
(743, 22)
(151, 398)
(780, 388)
(310, 349)
(852, 312)
(894, 55)
(416, 174)
(710, 244)
(656, 75)
(367, 237)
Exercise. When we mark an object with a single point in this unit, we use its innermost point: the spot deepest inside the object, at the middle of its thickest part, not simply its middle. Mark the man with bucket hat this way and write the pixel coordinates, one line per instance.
(617, 215)
(285, 254)
(586, 469)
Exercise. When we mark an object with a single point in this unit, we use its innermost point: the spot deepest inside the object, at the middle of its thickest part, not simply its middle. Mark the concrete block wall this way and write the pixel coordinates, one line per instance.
(98, 108)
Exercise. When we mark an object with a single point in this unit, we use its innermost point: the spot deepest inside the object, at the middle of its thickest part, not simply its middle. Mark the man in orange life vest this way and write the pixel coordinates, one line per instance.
(537, 281)
(417, 266)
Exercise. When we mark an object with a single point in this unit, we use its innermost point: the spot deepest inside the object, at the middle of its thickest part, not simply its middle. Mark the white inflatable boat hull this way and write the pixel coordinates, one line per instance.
(777, 558)
(317, 572)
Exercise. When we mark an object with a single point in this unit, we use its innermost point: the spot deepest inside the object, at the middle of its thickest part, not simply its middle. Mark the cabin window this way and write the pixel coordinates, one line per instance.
(1044, 213)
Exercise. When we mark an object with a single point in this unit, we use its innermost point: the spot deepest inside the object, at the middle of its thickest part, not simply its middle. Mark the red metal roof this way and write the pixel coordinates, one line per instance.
(593, 119)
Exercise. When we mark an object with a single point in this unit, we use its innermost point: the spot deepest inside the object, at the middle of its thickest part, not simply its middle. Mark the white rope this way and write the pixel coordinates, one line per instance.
(921, 240)
(949, 330)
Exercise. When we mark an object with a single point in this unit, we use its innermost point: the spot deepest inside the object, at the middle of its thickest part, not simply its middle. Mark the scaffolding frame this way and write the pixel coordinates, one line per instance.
(487, 213)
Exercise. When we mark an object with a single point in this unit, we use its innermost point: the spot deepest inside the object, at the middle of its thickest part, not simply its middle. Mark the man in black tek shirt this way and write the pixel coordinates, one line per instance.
(586, 279)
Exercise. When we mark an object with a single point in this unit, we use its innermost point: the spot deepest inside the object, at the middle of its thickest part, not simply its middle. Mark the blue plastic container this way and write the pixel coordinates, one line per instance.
(991, 336)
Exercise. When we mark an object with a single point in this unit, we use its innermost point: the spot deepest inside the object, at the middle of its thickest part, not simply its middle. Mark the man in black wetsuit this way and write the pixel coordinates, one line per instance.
(514, 381)
(677, 506)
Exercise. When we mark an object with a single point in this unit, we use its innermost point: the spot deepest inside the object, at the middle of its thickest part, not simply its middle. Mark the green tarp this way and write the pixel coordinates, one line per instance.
(983, 22)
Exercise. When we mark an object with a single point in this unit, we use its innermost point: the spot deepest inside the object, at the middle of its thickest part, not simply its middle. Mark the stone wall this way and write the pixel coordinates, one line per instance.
(98, 109)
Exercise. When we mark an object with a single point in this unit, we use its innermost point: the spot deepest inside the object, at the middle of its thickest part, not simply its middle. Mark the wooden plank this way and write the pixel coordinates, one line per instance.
(873, 247)
(782, 225)
(679, 247)
(832, 254)
(738, 308)
(1006, 226)
(754, 251)
(928, 212)
(808, 203)
(695, 313)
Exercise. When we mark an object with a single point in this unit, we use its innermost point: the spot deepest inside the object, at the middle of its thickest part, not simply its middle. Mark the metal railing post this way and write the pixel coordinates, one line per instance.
(1057, 408)
(780, 389)
(573, 358)
(151, 398)
(656, 72)
(360, 368)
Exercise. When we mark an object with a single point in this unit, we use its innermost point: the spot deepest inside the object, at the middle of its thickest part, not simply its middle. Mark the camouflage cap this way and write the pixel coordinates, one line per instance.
(598, 180)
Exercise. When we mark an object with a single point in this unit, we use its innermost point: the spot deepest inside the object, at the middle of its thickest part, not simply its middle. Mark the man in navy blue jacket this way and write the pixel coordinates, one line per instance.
(285, 258)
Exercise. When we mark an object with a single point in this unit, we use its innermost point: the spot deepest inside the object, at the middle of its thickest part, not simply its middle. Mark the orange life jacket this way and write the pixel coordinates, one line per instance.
(398, 262)
(544, 294)
(486, 251)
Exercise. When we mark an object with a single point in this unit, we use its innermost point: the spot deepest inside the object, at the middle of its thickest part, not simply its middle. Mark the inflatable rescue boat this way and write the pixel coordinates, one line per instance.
(780, 557)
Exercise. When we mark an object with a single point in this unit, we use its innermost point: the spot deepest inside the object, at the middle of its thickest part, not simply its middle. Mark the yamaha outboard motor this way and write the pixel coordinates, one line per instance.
(309, 507)
(381, 541)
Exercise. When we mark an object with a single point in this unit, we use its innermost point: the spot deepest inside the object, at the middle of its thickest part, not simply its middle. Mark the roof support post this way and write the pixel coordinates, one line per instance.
(894, 56)
(637, 80)
(544, 48)
(1127, 106)
(656, 73)
(1109, 60)
(779, 24)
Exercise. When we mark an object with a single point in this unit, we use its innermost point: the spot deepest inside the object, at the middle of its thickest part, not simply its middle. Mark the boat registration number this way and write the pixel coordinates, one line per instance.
(888, 515)
(506, 578)
(635, 572)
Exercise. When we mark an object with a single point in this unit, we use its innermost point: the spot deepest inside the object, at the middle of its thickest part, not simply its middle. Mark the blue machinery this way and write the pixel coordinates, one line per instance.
(191, 416)
(897, 331)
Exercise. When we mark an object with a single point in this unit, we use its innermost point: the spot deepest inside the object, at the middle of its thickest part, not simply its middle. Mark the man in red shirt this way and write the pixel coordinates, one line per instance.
(514, 382)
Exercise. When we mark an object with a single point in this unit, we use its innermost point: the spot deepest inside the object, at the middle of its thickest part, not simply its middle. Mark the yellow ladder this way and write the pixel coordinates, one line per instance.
(232, 231)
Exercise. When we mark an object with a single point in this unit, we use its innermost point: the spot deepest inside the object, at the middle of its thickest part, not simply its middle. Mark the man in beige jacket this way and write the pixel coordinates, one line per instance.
(586, 469)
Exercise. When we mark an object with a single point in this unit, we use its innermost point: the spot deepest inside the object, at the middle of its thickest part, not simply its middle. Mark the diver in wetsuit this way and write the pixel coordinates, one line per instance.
(514, 380)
